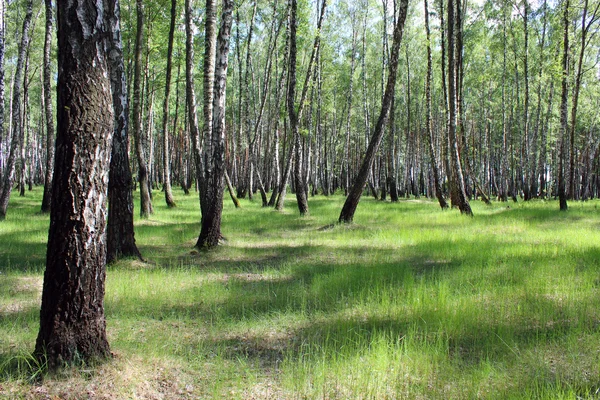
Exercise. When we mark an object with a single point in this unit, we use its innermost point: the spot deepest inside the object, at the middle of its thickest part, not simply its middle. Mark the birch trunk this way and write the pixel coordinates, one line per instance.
(120, 235)
(349, 208)
(17, 122)
(72, 322)
(48, 112)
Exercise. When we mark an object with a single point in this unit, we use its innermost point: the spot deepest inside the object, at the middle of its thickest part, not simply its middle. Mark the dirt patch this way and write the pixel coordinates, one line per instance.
(266, 349)
(123, 377)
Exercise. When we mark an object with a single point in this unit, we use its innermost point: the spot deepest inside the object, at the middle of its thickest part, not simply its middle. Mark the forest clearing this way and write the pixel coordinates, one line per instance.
(409, 301)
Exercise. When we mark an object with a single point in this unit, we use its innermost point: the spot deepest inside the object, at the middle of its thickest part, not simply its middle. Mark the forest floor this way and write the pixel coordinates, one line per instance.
(407, 302)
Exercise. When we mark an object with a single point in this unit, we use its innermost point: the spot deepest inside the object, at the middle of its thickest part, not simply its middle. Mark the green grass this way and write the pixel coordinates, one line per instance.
(408, 302)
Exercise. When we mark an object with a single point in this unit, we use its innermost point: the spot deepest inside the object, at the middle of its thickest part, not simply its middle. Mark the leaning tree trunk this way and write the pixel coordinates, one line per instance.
(143, 178)
(428, 119)
(72, 322)
(353, 198)
(120, 237)
(210, 233)
(48, 110)
(17, 122)
(165, 123)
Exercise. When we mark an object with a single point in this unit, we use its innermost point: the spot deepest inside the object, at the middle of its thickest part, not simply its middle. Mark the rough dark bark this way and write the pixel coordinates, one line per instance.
(120, 236)
(165, 123)
(562, 195)
(143, 173)
(48, 112)
(17, 123)
(210, 233)
(72, 322)
(353, 198)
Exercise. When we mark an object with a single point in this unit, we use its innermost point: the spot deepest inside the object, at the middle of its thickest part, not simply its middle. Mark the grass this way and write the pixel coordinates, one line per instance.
(408, 302)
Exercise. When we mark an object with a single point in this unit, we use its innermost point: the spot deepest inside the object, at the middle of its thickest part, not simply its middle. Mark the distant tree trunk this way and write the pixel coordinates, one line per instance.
(275, 29)
(210, 233)
(72, 322)
(191, 99)
(234, 198)
(165, 123)
(295, 115)
(428, 119)
(574, 191)
(544, 139)
(536, 165)
(526, 129)
(2, 85)
(504, 157)
(143, 178)
(17, 122)
(453, 61)
(208, 77)
(48, 113)
(120, 237)
(346, 160)
(353, 198)
(562, 195)
(250, 165)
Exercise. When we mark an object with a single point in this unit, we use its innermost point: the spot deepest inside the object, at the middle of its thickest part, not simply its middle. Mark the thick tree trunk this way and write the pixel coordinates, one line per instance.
(17, 122)
(72, 322)
(165, 123)
(143, 173)
(210, 233)
(120, 237)
(48, 113)
(353, 198)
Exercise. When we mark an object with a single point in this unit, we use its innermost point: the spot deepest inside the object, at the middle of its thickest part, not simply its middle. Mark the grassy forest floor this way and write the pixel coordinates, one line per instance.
(408, 302)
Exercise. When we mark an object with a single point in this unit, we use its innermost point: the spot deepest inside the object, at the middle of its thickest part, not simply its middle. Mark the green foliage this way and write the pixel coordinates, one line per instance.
(409, 302)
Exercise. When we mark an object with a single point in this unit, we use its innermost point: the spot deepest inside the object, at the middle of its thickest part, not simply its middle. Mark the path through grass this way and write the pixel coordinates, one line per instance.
(409, 302)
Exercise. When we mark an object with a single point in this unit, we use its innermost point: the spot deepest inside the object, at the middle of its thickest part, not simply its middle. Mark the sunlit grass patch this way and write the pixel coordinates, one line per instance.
(408, 302)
